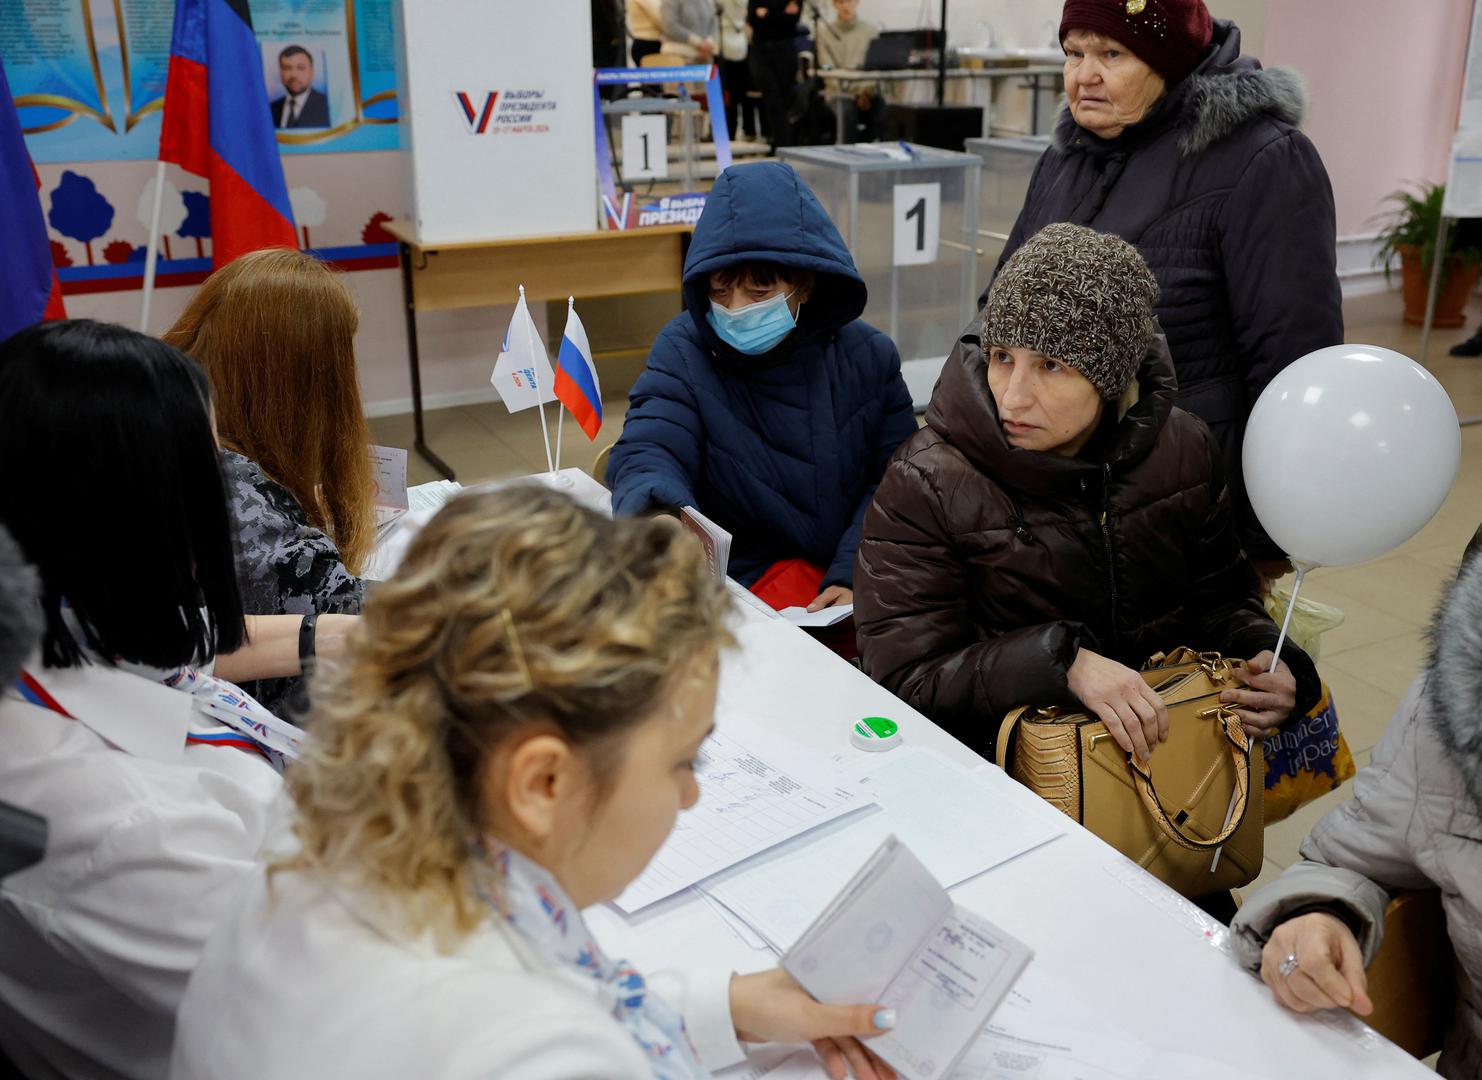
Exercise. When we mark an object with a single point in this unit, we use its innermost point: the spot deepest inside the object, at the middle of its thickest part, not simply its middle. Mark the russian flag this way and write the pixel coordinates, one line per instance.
(29, 291)
(217, 124)
(576, 375)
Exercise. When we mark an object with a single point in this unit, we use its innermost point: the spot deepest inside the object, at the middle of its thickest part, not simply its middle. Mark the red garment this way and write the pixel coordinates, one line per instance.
(789, 583)
(797, 583)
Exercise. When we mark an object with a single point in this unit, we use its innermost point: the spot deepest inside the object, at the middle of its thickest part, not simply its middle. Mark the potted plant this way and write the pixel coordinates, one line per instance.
(1410, 233)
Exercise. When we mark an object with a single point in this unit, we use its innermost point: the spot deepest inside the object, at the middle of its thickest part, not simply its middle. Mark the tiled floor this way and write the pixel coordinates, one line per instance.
(1369, 661)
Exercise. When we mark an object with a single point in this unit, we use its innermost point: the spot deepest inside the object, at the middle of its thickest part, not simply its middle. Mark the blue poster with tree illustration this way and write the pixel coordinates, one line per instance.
(89, 75)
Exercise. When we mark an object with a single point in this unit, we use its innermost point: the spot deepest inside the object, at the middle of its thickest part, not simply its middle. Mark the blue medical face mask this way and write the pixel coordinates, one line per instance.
(755, 328)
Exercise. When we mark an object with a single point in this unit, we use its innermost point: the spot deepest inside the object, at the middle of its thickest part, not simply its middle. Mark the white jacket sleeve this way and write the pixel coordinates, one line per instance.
(1359, 852)
(555, 1038)
(703, 998)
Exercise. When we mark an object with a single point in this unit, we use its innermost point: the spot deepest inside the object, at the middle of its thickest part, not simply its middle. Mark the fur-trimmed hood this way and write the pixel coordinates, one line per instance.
(1222, 93)
(1454, 685)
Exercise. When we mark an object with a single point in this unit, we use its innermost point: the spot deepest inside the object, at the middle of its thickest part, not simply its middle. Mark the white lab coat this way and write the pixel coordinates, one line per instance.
(305, 980)
(149, 841)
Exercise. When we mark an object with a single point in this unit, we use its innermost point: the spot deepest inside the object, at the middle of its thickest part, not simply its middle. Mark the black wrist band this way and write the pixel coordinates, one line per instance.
(306, 642)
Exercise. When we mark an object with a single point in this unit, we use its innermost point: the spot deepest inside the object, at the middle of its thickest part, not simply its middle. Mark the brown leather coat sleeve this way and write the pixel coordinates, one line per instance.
(917, 633)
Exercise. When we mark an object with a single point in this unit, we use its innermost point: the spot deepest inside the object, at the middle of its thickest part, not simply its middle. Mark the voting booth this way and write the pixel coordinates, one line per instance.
(910, 217)
(1008, 164)
(498, 118)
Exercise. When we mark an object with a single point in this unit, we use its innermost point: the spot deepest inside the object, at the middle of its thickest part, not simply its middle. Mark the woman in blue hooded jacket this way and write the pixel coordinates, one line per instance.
(768, 405)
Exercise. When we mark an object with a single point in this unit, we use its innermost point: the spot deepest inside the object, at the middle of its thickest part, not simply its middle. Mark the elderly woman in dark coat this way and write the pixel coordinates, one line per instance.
(1175, 142)
(1058, 520)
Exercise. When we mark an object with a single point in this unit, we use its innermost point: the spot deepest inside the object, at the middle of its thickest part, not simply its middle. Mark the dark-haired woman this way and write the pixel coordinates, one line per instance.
(769, 405)
(156, 775)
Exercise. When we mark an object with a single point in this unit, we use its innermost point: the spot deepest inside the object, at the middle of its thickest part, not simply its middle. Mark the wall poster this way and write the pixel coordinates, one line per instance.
(88, 76)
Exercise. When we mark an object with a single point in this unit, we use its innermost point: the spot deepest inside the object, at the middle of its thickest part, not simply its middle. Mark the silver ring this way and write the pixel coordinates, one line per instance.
(1287, 965)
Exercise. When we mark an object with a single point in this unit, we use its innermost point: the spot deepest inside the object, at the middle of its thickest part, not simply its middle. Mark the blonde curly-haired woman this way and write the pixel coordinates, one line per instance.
(510, 741)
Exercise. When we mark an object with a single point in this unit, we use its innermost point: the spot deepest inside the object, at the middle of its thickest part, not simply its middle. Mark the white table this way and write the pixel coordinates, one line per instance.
(1101, 928)
(1084, 908)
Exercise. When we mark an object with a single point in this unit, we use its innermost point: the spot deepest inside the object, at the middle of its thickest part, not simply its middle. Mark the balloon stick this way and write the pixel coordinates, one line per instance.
(1286, 625)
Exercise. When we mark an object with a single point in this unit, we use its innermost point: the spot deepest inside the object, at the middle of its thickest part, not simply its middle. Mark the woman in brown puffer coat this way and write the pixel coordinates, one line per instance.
(1058, 520)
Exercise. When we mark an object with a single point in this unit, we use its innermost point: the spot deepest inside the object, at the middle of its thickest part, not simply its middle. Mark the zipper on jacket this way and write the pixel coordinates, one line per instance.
(1106, 536)
(1016, 521)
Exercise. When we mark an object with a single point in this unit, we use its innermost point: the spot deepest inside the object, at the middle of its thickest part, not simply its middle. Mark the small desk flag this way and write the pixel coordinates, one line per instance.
(576, 375)
(523, 374)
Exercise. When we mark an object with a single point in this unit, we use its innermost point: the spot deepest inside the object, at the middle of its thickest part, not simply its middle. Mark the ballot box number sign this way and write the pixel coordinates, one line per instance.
(918, 223)
(645, 147)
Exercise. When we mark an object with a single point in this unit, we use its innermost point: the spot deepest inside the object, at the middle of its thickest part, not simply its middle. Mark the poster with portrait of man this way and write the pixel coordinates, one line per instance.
(298, 82)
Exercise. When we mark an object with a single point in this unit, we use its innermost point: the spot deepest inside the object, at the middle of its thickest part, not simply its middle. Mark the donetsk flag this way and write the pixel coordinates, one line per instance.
(29, 291)
(217, 125)
(576, 375)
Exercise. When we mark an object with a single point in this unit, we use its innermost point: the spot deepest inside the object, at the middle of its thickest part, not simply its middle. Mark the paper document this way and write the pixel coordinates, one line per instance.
(954, 822)
(389, 467)
(432, 495)
(801, 616)
(715, 540)
(895, 937)
(757, 789)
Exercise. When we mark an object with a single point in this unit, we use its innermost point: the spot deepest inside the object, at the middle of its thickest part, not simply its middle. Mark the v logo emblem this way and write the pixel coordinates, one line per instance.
(477, 118)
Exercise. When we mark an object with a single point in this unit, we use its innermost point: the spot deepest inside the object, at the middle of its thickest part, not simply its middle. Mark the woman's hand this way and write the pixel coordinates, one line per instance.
(771, 1007)
(833, 596)
(1330, 966)
(1132, 713)
(1270, 698)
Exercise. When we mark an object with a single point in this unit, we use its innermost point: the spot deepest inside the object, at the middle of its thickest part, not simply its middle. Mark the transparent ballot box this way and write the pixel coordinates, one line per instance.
(909, 214)
(1007, 165)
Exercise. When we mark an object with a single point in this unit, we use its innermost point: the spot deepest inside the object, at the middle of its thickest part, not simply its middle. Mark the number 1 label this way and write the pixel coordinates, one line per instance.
(645, 147)
(918, 223)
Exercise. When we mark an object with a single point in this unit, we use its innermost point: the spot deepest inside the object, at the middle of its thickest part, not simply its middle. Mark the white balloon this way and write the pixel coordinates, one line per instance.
(1349, 452)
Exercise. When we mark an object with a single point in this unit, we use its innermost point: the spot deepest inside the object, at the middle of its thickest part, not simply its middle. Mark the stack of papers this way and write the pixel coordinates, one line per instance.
(952, 819)
(756, 791)
(715, 540)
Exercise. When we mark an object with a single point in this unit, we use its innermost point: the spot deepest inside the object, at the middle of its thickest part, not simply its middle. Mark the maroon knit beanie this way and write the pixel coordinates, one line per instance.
(1170, 36)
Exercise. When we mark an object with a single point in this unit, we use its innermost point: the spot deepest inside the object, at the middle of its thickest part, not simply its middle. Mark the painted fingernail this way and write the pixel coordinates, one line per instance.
(884, 1019)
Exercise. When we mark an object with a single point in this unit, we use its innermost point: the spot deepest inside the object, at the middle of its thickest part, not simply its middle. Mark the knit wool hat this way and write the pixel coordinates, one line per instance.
(1078, 296)
(1170, 36)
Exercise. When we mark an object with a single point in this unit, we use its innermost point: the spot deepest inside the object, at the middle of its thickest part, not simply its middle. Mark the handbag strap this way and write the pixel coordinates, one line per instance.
(1006, 735)
(1239, 753)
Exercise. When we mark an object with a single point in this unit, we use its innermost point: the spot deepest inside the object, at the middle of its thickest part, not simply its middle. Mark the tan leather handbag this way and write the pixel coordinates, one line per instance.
(1169, 814)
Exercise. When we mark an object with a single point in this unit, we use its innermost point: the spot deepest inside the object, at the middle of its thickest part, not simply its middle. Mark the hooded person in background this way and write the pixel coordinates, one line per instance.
(1174, 141)
(768, 405)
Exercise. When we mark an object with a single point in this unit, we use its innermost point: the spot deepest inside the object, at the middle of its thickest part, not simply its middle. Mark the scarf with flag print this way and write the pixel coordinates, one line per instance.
(528, 897)
(219, 703)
